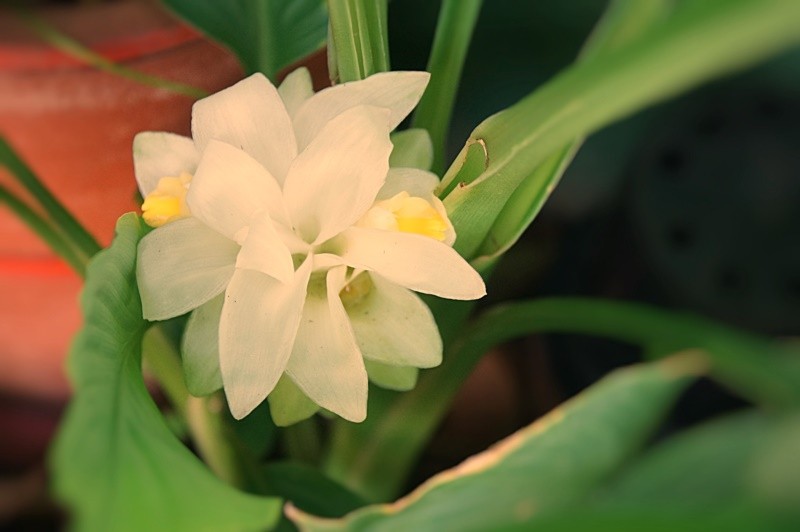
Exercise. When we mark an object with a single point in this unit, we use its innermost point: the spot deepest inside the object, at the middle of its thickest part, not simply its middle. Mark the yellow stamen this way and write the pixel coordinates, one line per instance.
(406, 213)
(167, 202)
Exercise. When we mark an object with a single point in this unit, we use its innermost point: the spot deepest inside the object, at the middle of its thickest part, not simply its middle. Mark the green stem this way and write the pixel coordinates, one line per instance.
(212, 437)
(204, 416)
(265, 44)
(163, 361)
(52, 207)
(62, 42)
(46, 231)
(378, 466)
(450, 44)
(301, 441)
(360, 38)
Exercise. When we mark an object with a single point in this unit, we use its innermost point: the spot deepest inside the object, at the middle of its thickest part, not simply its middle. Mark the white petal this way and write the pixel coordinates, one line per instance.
(334, 181)
(230, 187)
(393, 325)
(182, 265)
(249, 115)
(417, 262)
(263, 250)
(416, 182)
(296, 89)
(326, 363)
(396, 91)
(398, 378)
(158, 154)
(256, 333)
(450, 232)
(288, 404)
(200, 349)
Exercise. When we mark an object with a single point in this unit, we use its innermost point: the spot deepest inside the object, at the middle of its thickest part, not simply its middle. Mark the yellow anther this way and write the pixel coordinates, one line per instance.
(406, 213)
(167, 202)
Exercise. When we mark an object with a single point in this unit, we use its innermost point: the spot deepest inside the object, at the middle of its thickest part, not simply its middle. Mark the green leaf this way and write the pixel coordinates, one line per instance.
(266, 35)
(624, 21)
(308, 489)
(707, 478)
(115, 462)
(412, 149)
(454, 29)
(699, 41)
(555, 461)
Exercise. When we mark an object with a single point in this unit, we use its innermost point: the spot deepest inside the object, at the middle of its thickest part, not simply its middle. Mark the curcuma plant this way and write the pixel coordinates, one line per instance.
(302, 283)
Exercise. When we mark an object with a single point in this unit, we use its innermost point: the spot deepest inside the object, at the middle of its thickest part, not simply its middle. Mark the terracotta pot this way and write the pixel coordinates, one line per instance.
(74, 125)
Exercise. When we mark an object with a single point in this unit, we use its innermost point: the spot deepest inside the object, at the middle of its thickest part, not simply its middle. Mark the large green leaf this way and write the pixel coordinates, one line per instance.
(266, 35)
(115, 462)
(699, 41)
(553, 462)
(719, 476)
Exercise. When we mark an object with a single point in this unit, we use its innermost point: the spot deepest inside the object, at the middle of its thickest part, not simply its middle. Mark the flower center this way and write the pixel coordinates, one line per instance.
(356, 290)
(167, 202)
(408, 214)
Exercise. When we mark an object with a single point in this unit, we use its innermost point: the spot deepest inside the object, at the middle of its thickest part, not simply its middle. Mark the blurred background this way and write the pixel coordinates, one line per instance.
(686, 206)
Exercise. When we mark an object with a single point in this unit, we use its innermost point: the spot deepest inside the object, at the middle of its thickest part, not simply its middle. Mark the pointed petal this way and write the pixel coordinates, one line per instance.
(263, 250)
(158, 154)
(296, 89)
(326, 363)
(200, 349)
(256, 333)
(416, 182)
(288, 404)
(398, 378)
(182, 265)
(334, 181)
(229, 187)
(249, 115)
(417, 262)
(392, 325)
(397, 91)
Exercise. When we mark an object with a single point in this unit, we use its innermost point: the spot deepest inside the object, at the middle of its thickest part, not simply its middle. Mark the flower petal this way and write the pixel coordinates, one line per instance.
(182, 265)
(229, 187)
(249, 115)
(334, 181)
(417, 262)
(392, 325)
(413, 148)
(200, 348)
(288, 404)
(397, 91)
(263, 250)
(158, 154)
(296, 89)
(416, 182)
(398, 378)
(257, 329)
(326, 363)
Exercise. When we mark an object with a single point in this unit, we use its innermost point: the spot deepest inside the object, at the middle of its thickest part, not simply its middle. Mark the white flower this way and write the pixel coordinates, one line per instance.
(302, 246)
